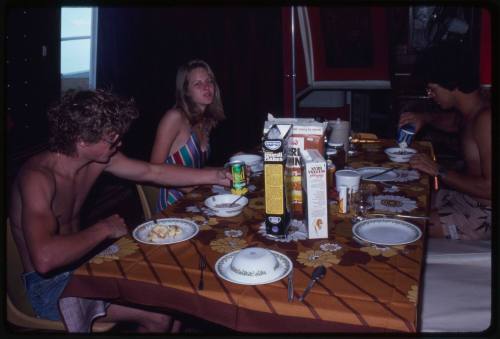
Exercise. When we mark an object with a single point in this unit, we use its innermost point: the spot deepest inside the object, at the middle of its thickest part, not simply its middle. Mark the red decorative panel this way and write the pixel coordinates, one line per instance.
(376, 44)
(485, 48)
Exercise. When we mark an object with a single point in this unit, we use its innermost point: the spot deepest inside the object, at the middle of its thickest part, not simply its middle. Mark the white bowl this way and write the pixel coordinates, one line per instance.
(254, 161)
(218, 204)
(394, 154)
(254, 263)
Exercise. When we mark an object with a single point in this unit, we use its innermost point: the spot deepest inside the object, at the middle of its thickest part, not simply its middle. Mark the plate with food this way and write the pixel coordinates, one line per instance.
(165, 231)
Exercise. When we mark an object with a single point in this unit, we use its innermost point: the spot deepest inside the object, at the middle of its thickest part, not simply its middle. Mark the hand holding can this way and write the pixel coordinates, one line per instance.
(405, 135)
(239, 182)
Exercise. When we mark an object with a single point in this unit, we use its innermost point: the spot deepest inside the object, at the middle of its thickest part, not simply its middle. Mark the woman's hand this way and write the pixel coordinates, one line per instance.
(424, 163)
(223, 177)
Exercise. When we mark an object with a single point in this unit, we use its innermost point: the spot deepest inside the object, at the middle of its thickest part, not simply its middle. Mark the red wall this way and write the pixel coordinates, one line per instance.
(485, 48)
(379, 71)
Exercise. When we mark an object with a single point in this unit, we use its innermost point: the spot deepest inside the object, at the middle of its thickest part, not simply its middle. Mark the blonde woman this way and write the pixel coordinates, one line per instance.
(183, 133)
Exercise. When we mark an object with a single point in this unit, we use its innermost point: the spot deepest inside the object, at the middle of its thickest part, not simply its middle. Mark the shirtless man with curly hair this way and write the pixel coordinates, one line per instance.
(86, 128)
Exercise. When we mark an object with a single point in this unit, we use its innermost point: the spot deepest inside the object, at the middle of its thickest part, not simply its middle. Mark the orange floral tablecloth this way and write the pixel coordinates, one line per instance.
(367, 288)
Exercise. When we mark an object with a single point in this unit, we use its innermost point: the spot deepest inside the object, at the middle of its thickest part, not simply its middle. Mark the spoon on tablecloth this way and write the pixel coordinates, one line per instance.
(379, 174)
(318, 273)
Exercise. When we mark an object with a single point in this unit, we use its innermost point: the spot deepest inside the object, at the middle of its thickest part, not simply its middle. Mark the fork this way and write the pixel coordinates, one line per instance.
(203, 265)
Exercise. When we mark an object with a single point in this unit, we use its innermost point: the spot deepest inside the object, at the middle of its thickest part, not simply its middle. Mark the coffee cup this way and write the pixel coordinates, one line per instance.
(348, 178)
(339, 132)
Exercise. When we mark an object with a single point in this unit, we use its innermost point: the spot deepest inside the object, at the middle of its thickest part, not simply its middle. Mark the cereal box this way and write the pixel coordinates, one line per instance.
(275, 148)
(315, 194)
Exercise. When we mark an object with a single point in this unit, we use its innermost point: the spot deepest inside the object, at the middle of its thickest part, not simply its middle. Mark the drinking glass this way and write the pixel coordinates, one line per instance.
(362, 201)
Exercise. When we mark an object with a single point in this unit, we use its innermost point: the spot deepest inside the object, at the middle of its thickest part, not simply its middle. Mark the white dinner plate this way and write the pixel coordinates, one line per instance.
(222, 268)
(386, 231)
(188, 227)
(369, 171)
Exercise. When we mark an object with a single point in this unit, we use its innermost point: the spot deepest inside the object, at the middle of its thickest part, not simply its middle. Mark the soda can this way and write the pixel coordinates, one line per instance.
(239, 182)
(405, 135)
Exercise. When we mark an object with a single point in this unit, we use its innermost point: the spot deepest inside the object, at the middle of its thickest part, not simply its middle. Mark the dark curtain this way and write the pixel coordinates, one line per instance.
(140, 50)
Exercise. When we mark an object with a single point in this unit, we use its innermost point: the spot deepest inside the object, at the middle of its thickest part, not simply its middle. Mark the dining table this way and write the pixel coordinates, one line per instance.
(367, 287)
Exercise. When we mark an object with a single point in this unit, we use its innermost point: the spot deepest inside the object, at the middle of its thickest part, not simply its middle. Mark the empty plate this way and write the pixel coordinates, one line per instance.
(386, 231)
(367, 172)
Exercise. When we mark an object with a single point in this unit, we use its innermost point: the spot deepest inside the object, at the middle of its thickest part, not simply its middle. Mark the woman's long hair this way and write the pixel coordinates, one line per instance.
(213, 113)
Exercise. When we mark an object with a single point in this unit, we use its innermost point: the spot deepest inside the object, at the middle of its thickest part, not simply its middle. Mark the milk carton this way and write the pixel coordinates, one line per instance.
(315, 193)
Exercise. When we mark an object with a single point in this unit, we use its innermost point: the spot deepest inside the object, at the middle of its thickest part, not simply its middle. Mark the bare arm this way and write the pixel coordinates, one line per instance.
(49, 250)
(447, 121)
(475, 185)
(165, 175)
(167, 132)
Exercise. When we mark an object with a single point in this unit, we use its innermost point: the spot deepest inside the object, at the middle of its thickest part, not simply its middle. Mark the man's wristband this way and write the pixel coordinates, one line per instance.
(442, 172)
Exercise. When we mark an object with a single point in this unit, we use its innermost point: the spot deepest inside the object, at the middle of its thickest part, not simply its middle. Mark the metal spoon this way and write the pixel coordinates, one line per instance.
(318, 273)
(378, 174)
(234, 202)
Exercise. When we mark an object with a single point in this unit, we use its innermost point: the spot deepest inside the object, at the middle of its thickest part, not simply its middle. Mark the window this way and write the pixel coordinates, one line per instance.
(78, 47)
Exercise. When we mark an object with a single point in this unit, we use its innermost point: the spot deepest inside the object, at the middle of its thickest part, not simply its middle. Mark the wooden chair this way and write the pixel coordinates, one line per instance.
(148, 196)
(19, 310)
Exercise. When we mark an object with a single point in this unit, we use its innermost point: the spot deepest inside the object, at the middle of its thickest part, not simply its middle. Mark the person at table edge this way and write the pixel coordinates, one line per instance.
(464, 210)
(86, 128)
(183, 133)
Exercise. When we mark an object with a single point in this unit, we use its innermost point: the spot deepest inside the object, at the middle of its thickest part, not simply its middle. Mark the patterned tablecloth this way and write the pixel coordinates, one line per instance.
(367, 288)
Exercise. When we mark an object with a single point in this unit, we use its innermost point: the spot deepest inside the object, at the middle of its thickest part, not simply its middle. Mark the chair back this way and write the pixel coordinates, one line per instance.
(15, 285)
(148, 196)
(19, 310)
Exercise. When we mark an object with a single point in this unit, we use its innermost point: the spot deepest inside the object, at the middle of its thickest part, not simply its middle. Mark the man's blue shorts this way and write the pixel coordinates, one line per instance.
(44, 293)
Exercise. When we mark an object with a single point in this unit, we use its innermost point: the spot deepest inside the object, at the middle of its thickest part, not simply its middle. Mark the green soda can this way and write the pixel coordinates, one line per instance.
(239, 183)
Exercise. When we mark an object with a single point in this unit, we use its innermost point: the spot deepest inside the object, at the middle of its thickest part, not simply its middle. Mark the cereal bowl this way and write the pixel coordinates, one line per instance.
(253, 263)
(221, 204)
(253, 266)
(397, 154)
